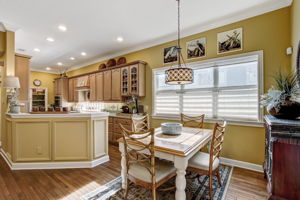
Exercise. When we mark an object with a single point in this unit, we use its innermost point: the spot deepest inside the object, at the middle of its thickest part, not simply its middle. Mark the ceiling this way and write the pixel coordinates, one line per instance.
(94, 25)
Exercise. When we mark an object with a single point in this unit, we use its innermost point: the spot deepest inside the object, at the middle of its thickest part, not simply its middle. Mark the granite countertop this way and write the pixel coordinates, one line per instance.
(65, 115)
(124, 117)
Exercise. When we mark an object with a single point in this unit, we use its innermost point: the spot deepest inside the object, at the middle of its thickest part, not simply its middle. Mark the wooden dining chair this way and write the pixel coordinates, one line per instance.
(192, 121)
(141, 166)
(208, 164)
(140, 123)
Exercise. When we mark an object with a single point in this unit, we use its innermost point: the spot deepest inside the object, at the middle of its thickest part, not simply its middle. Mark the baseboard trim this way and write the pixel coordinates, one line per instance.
(104, 159)
(53, 165)
(241, 164)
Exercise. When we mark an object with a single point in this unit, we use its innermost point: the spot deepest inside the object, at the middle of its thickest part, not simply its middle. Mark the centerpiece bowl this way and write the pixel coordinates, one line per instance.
(171, 128)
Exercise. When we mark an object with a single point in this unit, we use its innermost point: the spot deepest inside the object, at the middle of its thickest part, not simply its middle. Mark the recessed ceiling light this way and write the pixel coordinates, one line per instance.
(36, 50)
(59, 64)
(48, 68)
(50, 39)
(83, 53)
(72, 58)
(120, 39)
(62, 28)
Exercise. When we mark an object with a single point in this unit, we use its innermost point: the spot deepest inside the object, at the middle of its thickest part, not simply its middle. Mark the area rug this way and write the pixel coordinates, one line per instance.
(194, 191)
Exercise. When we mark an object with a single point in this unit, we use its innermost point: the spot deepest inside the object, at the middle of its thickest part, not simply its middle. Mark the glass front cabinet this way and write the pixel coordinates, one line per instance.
(133, 80)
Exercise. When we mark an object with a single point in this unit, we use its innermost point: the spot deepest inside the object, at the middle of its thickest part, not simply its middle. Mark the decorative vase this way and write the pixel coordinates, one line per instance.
(287, 110)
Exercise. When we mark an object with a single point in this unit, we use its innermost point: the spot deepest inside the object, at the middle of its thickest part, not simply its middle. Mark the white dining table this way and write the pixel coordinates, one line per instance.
(178, 149)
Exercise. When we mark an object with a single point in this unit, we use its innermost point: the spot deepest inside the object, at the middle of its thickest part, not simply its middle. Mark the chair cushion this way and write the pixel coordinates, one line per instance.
(201, 161)
(162, 170)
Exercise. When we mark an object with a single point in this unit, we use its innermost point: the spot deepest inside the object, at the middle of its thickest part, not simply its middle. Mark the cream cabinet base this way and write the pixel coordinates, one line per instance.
(53, 165)
(52, 142)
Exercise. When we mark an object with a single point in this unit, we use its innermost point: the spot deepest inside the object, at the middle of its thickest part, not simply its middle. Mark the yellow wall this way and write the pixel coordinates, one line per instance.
(295, 21)
(47, 81)
(269, 32)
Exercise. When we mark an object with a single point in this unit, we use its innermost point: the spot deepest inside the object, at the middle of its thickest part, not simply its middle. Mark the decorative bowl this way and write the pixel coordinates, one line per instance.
(171, 128)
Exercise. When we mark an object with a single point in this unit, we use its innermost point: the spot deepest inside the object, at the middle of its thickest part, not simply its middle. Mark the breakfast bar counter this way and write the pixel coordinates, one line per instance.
(47, 141)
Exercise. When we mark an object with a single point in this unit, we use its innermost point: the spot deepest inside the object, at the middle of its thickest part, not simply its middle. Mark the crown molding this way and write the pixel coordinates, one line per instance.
(44, 71)
(242, 15)
(4, 26)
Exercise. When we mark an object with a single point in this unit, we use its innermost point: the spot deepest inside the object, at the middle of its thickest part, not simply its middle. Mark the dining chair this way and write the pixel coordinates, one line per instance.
(192, 121)
(141, 166)
(208, 164)
(140, 123)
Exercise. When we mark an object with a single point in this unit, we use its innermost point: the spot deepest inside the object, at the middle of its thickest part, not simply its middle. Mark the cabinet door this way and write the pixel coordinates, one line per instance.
(58, 84)
(107, 85)
(116, 84)
(22, 70)
(125, 81)
(92, 87)
(99, 86)
(75, 92)
(134, 80)
(71, 90)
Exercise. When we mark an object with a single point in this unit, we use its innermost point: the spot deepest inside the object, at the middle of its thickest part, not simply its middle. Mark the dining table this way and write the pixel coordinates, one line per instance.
(176, 148)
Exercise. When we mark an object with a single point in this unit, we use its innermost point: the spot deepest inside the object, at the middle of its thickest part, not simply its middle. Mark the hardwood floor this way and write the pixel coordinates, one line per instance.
(73, 183)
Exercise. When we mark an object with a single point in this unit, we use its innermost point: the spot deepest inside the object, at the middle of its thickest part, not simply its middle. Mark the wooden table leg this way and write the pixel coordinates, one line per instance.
(123, 165)
(180, 165)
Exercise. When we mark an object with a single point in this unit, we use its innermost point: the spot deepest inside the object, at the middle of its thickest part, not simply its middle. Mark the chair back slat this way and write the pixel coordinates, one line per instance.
(192, 121)
(216, 142)
(142, 152)
(140, 123)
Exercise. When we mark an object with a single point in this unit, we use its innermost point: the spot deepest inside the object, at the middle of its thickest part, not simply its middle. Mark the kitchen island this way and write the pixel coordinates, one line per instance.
(50, 141)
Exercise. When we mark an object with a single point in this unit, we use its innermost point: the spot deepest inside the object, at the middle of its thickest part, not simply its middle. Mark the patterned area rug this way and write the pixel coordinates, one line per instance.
(194, 191)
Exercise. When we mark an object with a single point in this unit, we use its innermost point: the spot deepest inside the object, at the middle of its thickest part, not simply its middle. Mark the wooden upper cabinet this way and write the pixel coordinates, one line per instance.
(22, 70)
(137, 80)
(71, 90)
(75, 92)
(93, 90)
(116, 84)
(125, 81)
(99, 86)
(107, 85)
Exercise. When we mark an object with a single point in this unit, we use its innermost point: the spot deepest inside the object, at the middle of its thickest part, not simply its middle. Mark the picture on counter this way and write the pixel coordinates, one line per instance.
(196, 48)
(230, 41)
(170, 54)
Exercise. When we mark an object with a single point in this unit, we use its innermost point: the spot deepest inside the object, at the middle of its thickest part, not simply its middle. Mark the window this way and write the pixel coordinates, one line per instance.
(226, 88)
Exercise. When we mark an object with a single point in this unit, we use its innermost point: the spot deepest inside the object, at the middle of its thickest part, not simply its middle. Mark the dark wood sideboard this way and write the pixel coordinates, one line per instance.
(282, 158)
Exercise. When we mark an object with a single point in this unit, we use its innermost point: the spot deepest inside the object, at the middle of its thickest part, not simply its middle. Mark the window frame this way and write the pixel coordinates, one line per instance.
(207, 64)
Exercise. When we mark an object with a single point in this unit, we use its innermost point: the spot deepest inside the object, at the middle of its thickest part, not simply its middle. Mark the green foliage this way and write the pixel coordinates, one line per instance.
(286, 89)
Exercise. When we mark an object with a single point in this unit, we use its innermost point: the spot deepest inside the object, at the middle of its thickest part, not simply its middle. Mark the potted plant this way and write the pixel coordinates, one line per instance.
(282, 101)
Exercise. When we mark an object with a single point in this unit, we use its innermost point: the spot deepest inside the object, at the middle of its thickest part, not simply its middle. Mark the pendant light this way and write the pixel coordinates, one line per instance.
(181, 74)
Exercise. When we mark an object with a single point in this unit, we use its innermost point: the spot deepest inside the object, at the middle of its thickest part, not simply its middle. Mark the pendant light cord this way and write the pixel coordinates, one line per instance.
(180, 57)
(178, 34)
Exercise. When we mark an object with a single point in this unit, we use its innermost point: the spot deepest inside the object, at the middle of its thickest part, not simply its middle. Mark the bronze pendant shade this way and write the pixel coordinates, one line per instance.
(180, 75)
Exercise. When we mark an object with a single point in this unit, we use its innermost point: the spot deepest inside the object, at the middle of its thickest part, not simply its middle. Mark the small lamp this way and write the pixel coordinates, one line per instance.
(12, 83)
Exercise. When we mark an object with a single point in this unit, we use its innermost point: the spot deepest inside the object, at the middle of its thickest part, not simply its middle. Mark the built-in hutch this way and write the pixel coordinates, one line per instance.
(282, 158)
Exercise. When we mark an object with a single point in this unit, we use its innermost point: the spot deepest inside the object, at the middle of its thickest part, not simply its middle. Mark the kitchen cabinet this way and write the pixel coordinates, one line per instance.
(71, 90)
(114, 129)
(61, 86)
(125, 81)
(93, 89)
(99, 86)
(75, 92)
(107, 85)
(116, 84)
(22, 70)
(133, 80)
